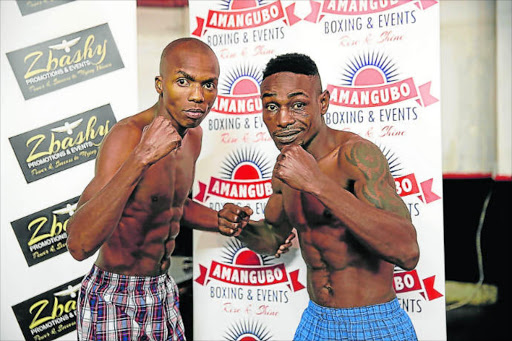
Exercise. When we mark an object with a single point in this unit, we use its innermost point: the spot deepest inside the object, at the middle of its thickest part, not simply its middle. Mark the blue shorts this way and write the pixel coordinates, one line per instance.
(387, 321)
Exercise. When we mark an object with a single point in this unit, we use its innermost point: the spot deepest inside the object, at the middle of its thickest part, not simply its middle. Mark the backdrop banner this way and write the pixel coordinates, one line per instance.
(380, 62)
(69, 73)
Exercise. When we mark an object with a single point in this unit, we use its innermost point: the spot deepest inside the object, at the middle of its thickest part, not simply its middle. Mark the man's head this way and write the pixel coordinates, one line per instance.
(187, 84)
(293, 101)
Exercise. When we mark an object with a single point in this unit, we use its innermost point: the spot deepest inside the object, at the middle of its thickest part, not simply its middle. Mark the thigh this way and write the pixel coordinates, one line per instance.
(174, 320)
(102, 315)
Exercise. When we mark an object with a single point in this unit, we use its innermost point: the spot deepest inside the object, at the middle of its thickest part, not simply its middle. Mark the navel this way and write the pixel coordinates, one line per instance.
(329, 288)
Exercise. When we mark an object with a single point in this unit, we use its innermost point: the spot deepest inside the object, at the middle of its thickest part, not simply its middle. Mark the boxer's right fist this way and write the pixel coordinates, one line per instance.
(158, 139)
(233, 218)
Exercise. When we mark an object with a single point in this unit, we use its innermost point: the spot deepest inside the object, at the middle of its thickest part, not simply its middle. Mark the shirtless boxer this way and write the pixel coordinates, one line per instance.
(132, 209)
(336, 189)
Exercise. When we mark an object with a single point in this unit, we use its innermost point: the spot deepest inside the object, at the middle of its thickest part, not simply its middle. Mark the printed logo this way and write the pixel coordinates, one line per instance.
(32, 6)
(371, 80)
(247, 331)
(409, 281)
(246, 175)
(245, 268)
(49, 315)
(64, 61)
(357, 7)
(240, 93)
(42, 235)
(235, 15)
(63, 144)
(407, 185)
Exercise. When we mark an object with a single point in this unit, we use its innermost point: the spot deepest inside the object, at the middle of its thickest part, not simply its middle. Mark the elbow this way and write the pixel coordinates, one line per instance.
(75, 251)
(411, 258)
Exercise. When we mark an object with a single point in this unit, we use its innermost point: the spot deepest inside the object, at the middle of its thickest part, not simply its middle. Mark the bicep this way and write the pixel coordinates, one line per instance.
(382, 195)
(113, 152)
(373, 183)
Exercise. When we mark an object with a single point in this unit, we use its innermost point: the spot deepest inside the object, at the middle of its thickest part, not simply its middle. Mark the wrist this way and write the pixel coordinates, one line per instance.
(317, 187)
(141, 158)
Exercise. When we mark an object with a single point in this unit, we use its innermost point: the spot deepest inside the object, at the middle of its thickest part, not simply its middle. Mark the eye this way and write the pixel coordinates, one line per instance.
(209, 86)
(298, 106)
(271, 107)
(182, 81)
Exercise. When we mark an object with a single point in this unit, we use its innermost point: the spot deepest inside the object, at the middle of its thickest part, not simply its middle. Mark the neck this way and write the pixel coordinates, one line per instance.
(160, 110)
(322, 143)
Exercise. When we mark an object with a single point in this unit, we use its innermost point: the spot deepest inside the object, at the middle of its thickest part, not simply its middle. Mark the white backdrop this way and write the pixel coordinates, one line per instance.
(68, 73)
(380, 60)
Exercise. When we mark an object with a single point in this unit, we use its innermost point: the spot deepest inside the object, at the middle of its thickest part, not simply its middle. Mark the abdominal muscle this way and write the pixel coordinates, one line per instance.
(341, 272)
(139, 246)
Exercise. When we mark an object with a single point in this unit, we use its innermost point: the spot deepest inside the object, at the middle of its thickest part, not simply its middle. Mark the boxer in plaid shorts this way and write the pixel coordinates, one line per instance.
(335, 188)
(132, 210)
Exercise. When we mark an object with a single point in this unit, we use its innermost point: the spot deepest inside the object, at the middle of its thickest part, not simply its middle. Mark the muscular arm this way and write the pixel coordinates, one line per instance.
(120, 165)
(375, 214)
(101, 205)
(199, 217)
(267, 235)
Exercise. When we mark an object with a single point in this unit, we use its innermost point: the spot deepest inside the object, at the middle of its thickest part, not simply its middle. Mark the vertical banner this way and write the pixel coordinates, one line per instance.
(68, 75)
(380, 62)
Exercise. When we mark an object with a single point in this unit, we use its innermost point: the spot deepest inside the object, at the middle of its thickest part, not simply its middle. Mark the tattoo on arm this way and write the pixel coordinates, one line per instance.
(376, 187)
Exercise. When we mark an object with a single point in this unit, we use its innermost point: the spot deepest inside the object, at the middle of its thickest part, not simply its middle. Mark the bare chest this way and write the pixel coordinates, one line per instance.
(166, 184)
(304, 210)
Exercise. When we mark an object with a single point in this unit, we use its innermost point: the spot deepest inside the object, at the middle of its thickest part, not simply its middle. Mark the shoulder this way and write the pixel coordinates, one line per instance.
(362, 156)
(126, 132)
(121, 140)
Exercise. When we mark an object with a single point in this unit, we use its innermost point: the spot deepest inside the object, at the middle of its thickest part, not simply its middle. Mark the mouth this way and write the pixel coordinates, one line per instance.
(194, 113)
(286, 136)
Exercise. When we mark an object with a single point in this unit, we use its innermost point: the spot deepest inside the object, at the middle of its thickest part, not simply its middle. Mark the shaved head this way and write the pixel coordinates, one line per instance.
(182, 45)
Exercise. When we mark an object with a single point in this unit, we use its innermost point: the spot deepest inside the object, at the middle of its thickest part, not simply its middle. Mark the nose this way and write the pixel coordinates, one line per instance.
(196, 94)
(284, 118)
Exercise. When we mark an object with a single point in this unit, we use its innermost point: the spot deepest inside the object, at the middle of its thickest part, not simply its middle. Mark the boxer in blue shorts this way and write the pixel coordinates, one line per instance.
(335, 188)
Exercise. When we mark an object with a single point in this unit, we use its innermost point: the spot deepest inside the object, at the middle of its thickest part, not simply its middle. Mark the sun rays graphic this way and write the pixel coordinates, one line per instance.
(247, 331)
(372, 68)
(235, 252)
(242, 80)
(246, 164)
(395, 167)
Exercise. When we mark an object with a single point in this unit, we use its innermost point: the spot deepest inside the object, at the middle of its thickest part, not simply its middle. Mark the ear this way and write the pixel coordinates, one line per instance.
(158, 84)
(325, 97)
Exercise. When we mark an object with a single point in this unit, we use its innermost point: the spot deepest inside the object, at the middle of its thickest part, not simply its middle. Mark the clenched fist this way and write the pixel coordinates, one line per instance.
(158, 139)
(296, 168)
(233, 218)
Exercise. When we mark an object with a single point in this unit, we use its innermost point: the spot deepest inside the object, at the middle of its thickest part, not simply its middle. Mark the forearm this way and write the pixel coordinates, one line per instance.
(95, 220)
(199, 217)
(262, 237)
(388, 232)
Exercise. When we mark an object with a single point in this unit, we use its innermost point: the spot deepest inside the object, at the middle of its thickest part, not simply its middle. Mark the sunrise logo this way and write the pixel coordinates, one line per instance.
(371, 80)
(247, 331)
(236, 253)
(245, 175)
(242, 267)
(240, 92)
(356, 7)
(241, 14)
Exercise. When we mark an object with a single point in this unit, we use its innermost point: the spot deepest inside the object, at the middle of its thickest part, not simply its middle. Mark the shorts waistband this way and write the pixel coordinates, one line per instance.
(100, 275)
(371, 312)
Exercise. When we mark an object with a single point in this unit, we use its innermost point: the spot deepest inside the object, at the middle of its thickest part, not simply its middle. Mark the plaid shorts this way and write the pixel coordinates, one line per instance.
(386, 321)
(113, 307)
